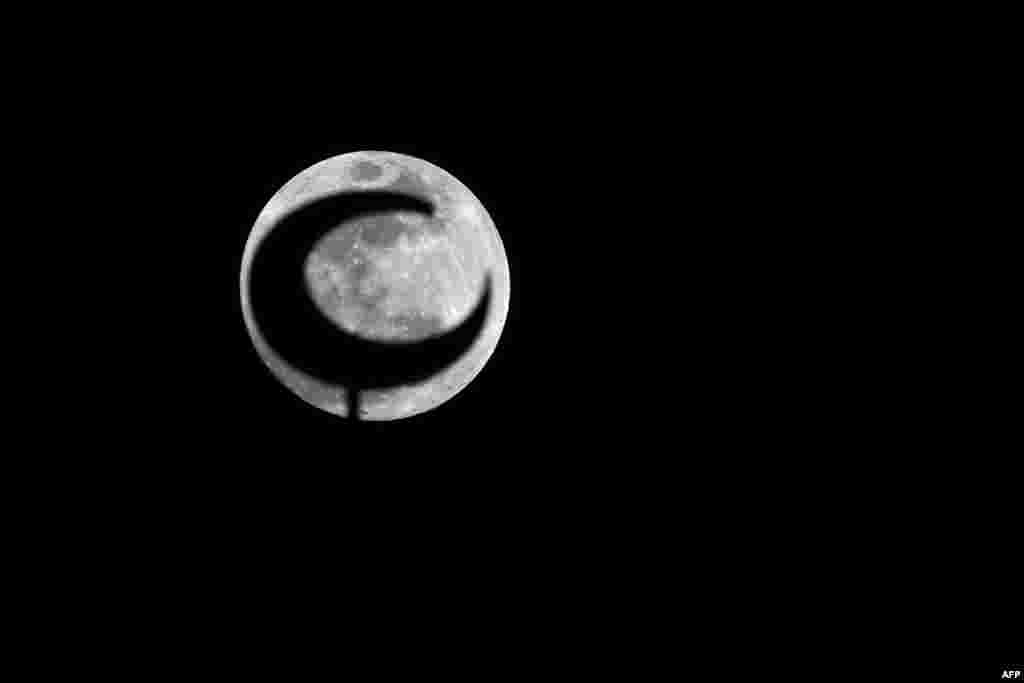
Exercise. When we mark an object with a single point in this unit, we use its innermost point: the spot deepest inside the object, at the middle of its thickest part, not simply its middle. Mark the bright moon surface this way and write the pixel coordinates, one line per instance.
(460, 222)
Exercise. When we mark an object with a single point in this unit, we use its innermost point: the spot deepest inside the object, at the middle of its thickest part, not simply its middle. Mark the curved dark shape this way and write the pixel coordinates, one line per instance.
(294, 327)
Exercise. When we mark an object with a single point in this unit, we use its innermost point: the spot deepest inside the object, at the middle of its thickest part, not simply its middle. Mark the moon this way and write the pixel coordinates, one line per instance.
(459, 218)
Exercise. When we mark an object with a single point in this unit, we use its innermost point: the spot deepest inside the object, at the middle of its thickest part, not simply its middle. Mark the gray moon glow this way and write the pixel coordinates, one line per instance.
(462, 220)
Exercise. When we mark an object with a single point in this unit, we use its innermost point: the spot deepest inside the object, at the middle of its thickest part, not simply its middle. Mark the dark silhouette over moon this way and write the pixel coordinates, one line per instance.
(304, 338)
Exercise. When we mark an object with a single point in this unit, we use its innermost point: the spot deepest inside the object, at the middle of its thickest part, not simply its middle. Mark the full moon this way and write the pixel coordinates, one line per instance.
(429, 271)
